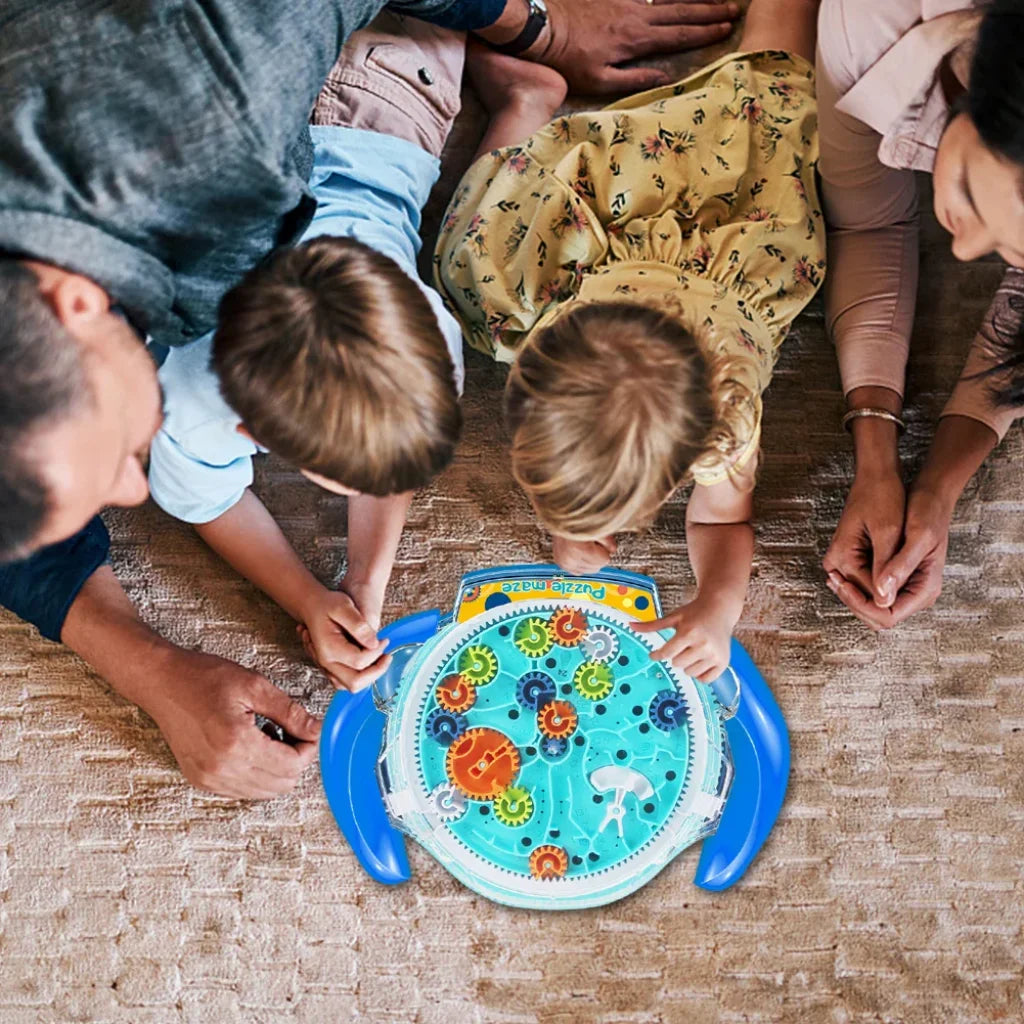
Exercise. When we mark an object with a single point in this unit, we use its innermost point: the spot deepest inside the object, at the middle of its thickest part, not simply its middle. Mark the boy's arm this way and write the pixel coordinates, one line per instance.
(720, 540)
(374, 530)
(342, 641)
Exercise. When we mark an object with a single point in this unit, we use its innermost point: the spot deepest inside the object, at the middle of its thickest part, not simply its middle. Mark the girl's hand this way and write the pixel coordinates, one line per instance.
(338, 637)
(700, 647)
(581, 557)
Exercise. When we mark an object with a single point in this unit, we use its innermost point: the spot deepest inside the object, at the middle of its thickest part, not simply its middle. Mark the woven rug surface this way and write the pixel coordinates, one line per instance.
(892, 888)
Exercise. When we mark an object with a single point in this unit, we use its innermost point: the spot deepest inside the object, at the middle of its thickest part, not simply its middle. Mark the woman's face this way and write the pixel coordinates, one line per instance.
(979, 196)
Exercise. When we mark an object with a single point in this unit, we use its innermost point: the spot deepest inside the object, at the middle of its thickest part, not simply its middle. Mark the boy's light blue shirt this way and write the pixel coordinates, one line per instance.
(369, 187)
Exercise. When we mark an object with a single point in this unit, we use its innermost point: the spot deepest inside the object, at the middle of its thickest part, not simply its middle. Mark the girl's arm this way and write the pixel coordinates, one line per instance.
(720, 539)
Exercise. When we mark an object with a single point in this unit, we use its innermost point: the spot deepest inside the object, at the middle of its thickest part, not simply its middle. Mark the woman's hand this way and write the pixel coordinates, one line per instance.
(867, 537)
(581, 557)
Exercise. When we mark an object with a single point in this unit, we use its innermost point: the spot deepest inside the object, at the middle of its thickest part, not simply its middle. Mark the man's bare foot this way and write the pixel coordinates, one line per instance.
(508, 83)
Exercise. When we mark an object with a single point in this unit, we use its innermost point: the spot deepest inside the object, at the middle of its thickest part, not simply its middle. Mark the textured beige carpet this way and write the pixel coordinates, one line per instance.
(892, 889)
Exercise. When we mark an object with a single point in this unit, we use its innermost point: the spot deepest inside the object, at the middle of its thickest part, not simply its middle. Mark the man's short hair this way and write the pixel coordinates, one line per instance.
(41, 382)
(335, 361)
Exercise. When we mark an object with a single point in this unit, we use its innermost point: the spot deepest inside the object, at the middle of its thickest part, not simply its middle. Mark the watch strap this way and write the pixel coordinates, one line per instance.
(535, 22)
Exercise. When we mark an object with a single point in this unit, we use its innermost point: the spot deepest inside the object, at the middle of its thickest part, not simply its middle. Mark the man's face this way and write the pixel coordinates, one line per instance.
(95, 456)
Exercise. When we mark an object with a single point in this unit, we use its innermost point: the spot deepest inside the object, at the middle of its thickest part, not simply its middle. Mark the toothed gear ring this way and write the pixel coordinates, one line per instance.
(557, 720)
(456, 693)
(445, 726)
(514, 807)
(535, 689)
(533, 637)
(600, 644)
(568, 626)
(448, 802)
(667, 710)
(479, 664)
(593, 680)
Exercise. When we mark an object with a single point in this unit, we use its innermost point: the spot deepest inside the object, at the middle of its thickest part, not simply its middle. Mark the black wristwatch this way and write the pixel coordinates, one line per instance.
(535, 22)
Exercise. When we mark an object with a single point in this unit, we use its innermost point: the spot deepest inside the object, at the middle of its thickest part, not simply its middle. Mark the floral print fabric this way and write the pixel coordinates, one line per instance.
(711, 180)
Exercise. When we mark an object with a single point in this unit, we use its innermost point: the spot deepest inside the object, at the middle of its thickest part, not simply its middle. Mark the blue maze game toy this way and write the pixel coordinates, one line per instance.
(530, 744)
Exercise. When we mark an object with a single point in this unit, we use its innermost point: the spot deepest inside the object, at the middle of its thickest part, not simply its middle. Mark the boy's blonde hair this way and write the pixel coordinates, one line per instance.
(610, 406)
(334, 360)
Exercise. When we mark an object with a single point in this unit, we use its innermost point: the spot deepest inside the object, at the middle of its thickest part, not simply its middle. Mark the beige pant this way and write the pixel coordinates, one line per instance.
(398, 76)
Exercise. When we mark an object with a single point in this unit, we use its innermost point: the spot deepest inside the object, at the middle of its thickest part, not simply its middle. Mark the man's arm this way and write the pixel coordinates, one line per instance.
(587, 40)
(204, 705)
(42, 588)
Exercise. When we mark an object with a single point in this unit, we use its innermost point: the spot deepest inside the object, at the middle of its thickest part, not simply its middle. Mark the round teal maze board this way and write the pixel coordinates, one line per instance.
(546, 760)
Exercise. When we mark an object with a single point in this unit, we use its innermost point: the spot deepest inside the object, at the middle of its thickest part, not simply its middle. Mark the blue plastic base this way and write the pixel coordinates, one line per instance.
(351, 739)
(349, 746)
(760, 753)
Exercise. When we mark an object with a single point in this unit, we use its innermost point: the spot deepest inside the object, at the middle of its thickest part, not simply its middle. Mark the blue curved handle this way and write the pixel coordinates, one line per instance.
(760, 752)
(349, 747)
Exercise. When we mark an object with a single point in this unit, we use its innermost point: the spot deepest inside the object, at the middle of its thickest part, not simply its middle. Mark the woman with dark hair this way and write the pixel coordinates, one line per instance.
(904, 86)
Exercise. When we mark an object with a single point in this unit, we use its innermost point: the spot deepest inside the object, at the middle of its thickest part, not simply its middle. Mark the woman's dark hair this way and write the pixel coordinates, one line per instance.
(995, 103)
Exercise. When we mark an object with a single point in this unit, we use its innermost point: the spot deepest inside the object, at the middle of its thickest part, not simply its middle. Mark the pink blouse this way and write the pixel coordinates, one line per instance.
(882, 112)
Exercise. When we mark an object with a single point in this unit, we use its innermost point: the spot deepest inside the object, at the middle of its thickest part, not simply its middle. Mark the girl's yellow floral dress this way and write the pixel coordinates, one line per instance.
(703, 192)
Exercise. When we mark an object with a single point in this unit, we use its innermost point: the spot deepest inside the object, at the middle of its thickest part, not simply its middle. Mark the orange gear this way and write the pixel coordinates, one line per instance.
(557, 719)
(568, 626)
(549, 862)
(456, 693)
(482, 763)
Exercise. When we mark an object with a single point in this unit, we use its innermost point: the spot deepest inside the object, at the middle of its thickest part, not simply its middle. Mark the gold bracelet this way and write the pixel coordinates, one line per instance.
(881, 414)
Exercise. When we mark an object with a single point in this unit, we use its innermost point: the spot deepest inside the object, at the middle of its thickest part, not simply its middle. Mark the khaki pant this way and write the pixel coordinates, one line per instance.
(398, 76)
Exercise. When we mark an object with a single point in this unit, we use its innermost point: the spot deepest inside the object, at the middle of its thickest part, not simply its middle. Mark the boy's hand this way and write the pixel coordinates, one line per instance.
(700, 647)
(205, 709)
(580, 557)
(338, 637)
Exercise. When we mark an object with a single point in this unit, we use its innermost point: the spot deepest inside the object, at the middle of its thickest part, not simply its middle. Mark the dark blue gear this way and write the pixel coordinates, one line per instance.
(445, 726)
(535, 689)
(667, 710)
(554, 747)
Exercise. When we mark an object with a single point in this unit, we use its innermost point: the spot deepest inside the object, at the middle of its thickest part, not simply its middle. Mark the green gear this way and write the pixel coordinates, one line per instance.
(593, 680)
(478, 664)
(533, 637)
(514, 807)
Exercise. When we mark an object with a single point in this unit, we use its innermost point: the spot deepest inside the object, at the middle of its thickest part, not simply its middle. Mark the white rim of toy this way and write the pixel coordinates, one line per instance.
(657, 851)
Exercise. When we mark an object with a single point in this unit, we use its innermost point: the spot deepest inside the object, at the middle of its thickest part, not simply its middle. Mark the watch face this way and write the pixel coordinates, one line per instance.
(539, 5)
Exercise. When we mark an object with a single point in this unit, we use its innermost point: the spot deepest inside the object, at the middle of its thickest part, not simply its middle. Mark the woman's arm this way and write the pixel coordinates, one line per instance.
(870, 291)
(972, 424)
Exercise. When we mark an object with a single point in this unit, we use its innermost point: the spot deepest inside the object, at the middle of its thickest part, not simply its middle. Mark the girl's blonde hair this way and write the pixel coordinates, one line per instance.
(611, 404)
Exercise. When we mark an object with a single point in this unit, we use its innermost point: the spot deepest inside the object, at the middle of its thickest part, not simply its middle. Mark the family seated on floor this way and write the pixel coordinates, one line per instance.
(638, 267)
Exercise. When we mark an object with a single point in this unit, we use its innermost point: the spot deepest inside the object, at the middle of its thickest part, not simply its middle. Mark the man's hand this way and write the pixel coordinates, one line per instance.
(582, 557)
(205, 708)
(337, 633)
(700, 647)
(587, 39)
(867, 537)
